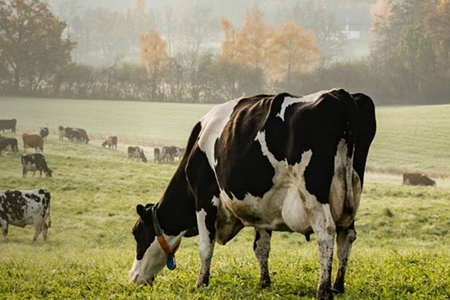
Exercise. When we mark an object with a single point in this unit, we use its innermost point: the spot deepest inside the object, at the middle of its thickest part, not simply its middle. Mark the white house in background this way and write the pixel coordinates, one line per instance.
(355, 23)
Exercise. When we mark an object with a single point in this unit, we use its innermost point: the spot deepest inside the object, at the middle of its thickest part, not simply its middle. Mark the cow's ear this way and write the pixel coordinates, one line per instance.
(141, 211)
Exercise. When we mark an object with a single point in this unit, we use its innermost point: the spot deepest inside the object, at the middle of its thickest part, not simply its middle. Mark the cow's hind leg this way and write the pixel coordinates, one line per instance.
(44, 230)
(344, 240)
(325, 229)
(261, 246)
(37, 227)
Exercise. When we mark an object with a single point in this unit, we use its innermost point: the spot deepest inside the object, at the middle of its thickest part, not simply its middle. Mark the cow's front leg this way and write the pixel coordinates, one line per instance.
(261, 246)
(344, 240)
(207, 234)
(4, 225)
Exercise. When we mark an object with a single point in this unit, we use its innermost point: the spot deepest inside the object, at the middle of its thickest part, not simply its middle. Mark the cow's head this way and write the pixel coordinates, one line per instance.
(150, 256)
(48, 172)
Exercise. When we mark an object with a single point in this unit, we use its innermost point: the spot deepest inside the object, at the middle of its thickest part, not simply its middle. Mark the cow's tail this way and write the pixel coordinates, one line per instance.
(351, 130)
(49, 223)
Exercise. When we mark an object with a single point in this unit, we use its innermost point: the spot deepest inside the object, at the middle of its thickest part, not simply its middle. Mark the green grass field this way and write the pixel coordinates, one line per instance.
(403, 232)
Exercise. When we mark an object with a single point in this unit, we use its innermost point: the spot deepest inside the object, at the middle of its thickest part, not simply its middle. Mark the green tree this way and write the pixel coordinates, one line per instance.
(410, 51)
(31, 42)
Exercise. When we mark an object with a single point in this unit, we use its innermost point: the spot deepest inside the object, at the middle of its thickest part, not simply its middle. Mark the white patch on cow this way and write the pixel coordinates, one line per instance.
(213, 124)
(215, 201)
(291, 100)
(261, 138)
(143, 271)
(203, 231)
(297, 199)
(287, 102)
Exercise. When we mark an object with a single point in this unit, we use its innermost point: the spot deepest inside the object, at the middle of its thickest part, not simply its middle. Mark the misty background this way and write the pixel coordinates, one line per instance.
(210, 51)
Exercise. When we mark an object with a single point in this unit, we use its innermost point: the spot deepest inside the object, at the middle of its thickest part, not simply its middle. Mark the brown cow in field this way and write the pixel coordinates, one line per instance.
(33, 141)
(83, 134)
(417, 179)
(111, 142)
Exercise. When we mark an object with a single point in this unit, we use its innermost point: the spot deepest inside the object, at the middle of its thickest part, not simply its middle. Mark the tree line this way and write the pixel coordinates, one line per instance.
(40, 55)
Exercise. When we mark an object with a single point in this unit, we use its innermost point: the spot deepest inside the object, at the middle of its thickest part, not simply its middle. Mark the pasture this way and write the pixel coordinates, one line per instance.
(403, 232)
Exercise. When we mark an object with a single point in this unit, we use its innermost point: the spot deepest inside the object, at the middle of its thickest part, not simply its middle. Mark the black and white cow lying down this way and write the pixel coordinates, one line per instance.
(27, 207)
(282, 163)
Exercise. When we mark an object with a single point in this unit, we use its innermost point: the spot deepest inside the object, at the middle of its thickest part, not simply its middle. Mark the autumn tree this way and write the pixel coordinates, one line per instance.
(271, 54)
(253, 46)
(153, 52)
(31, 42)
(295, 52)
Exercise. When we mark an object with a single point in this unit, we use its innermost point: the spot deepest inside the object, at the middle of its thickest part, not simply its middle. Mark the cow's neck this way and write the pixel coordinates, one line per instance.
(176, 209)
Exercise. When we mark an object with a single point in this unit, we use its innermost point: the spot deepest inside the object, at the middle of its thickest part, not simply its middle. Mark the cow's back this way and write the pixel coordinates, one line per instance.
(19, 207)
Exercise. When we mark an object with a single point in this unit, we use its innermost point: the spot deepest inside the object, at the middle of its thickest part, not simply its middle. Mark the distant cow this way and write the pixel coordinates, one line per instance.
(157, 154)
(35, 162)
(136, 153)
(73, 134)
(417, 179)
(167, 153)
(8, 124)
(170, 152)
(25, 207)
(9, 144)
(33, 141)
(44, 132)
(111, 142)
(84, 136)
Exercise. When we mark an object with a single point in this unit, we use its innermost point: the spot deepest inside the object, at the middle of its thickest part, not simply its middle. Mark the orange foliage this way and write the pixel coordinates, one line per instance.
(296, 52)
(153, 52)
(260, 46)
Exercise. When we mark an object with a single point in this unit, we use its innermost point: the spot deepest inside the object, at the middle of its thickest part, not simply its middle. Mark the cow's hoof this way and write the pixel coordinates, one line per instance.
(325, 295)
(265, 283)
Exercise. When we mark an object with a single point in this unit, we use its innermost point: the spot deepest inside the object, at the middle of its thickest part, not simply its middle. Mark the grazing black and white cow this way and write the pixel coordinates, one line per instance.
(25, 207)
(136, 153)
(35, 162)
(167, 153)
(8, 124)
(9, 144)
(73, 134)
(170, 152)
(282, 163)
(43, 132)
